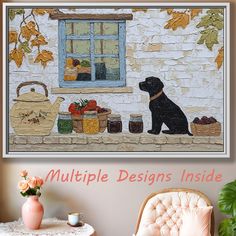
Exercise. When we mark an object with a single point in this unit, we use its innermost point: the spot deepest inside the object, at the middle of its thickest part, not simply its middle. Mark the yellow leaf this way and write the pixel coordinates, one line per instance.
(220, 58)
(168, 10)
(13, 36)
(38, 40)
(17, 56)
(38, 11)
(50, 10)
(139, 9)
(31, 25)
(44, 57)
(195, 12)
(28, 30)
(25, 32)
(179, 19)
(43, 11)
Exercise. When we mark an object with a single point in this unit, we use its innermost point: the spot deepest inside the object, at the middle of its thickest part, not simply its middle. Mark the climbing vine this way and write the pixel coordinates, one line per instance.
(211, 23)
(28, 37)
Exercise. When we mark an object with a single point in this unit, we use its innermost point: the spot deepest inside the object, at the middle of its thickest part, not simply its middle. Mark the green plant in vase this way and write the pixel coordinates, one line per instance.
(227, 205)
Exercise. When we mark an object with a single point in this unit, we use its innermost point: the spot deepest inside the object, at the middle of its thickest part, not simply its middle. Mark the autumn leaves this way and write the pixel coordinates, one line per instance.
(28, 37)
(212, 22)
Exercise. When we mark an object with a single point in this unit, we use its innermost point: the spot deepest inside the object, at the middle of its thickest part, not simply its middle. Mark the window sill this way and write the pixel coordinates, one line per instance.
(91, 90)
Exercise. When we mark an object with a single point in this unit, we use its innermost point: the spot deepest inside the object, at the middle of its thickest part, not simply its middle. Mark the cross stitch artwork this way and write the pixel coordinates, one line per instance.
(120, 81)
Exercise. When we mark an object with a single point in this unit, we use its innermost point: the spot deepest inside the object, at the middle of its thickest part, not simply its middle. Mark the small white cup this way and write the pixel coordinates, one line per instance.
(74, 218)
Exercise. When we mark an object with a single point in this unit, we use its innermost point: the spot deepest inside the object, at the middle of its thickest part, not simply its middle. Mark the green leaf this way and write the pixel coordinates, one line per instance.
(13, 12)
(227, 227)
(211, 20)
(227, 199)
(209, 37)
(218, 24)
(216, 11)
(23, 194)
(25, 47)
(205, 21)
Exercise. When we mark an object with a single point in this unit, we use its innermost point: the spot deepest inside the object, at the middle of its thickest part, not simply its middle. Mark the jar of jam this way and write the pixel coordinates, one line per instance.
(64, 123)
(90, 122)
(114, 123)
(136, 123)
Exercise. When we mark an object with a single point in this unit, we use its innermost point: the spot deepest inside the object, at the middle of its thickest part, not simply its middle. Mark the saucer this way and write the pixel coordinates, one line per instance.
(80, 224)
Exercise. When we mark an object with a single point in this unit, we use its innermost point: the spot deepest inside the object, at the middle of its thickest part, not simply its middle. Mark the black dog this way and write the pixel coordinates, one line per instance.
(163, 109)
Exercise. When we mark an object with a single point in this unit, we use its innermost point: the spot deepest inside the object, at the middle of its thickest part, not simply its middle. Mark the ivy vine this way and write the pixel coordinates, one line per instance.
(211, 23)
(28, 36)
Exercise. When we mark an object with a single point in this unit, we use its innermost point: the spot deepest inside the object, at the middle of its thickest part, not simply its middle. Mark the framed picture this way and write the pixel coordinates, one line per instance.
(116, 80)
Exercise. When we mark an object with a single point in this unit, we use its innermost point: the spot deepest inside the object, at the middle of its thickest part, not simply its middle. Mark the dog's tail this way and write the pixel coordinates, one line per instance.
(190, 134)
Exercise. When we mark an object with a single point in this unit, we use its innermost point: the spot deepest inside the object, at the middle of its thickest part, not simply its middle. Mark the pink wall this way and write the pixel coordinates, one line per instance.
(112, 208)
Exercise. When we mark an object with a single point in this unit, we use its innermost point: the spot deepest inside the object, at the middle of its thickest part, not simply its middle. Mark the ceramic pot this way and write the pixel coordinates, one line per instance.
(32, 212)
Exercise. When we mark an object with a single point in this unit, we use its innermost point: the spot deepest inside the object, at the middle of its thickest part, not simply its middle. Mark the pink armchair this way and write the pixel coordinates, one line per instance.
(160, 213)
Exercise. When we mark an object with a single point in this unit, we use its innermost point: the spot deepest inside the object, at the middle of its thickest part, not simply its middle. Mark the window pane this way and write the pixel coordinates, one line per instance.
(77, 69)
(78, 46)
(107, 68)
(106, 28)
(106, 46)
(80, 28)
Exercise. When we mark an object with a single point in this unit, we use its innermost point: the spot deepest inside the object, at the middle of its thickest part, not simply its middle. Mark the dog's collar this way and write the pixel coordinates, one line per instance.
(156, 96)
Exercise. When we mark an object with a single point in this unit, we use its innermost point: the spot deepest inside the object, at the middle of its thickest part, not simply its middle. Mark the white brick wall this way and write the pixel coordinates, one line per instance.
(187, 69)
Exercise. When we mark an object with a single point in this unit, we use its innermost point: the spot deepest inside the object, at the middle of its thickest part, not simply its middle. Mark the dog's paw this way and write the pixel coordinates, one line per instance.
(153, 132)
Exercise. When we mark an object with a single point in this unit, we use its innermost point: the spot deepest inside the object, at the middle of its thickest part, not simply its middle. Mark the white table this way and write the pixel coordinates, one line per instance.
(52, 226)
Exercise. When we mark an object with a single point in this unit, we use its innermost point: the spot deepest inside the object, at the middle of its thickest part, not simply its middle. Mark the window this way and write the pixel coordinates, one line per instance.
(91, 53)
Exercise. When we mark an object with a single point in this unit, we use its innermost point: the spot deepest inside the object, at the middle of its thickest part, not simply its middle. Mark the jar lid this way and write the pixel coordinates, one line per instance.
(90, 113)
(64, 113)
(136, 115)
(114, 116)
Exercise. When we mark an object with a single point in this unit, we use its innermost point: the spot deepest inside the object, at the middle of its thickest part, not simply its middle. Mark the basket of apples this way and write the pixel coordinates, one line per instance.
(77, 110)
(205, 126)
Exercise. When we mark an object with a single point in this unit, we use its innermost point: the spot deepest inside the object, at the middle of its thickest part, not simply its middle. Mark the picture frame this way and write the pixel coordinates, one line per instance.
(105, 145)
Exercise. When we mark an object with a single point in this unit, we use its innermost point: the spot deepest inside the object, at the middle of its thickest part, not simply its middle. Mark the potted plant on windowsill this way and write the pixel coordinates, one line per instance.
(227, 205)
(32, 209)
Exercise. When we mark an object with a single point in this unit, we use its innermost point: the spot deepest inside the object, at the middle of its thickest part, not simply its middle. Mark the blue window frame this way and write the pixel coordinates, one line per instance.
(102, 51)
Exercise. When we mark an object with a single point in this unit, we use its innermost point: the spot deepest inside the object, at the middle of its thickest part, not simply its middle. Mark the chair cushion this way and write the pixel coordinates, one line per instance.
(162, 214)
(196, 222)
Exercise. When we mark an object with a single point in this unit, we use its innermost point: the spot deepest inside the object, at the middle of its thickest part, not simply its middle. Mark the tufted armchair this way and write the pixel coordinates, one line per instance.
(161, 211)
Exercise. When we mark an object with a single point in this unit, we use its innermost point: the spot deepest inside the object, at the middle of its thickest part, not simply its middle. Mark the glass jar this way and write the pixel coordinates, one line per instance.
(64, 123)
(114, 123)
(70, 74)
(136, 123)
(90, 122)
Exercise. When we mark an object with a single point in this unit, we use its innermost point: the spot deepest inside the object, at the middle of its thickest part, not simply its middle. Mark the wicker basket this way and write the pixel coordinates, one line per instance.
(103, 120)
(78, 122)
(206, 130)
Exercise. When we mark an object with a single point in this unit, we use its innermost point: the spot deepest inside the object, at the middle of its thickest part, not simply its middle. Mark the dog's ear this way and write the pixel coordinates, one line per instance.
(161, 84)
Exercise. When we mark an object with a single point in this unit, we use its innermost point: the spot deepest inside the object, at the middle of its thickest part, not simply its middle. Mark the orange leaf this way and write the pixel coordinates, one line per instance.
(168, 10)
(50, 10)
(25, 33)
(28, 30)
(139, 9)
(17, 56)
(13, 36)
(179, 19)
(38, 40)
(220, 58)
(44, 57)
(195, 12)
(38, 11)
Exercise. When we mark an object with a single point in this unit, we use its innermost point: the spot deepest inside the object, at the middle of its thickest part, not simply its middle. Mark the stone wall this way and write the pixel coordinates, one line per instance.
(187, 69)
(115, 142)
